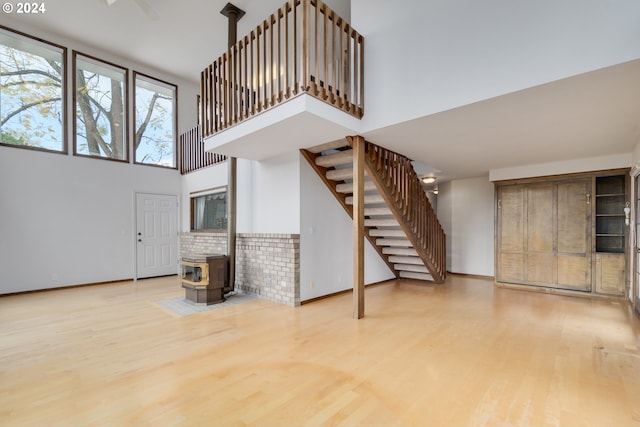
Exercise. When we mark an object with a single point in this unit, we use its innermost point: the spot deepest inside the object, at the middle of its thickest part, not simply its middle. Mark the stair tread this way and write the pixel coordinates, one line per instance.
(340, 174)
(404, 259)
(328, 146)
(369, 199)
(381, 232)
(385, 241)
(411, 267)
(388, 222)
(340, 158)
(400, 251)
(381, 211)
(417, 276)
(347, 187)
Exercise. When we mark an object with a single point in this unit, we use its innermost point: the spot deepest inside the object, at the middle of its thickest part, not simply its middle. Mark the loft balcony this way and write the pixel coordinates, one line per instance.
(295, 81)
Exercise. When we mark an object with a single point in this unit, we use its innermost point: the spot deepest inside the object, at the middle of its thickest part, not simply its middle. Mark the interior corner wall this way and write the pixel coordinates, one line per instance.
(67, 220)
(470, 230)
(326, 242)
(445, 214)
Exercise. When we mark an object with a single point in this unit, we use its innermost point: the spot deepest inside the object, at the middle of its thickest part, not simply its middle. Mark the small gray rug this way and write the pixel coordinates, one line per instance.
(184, 307)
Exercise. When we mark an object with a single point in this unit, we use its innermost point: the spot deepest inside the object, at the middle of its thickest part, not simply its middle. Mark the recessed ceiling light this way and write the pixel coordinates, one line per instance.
(429, 179)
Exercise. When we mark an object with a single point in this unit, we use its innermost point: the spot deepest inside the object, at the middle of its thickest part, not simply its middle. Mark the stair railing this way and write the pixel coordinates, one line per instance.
(191, 153)
(403, 190)
(304, 47)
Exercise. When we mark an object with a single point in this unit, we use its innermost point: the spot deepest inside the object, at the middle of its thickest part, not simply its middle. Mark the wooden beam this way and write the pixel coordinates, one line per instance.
(358, 227)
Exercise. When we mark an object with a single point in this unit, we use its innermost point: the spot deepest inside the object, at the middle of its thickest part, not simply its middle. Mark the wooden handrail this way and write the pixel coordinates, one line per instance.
(304, 47)
(401, 188)
(191, 153)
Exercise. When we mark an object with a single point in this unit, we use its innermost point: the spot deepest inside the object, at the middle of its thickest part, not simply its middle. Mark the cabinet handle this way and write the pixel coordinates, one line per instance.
(588, 198)
(499, 203)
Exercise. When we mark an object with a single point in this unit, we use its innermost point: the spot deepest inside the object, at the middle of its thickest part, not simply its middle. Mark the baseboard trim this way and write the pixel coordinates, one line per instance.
(82, 285)
(472, 276)
(561, 292)
(345, 291)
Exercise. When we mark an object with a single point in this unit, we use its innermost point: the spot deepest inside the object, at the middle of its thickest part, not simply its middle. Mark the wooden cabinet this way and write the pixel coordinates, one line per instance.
(610, 231)
(564, 233)
(609, 271)
(544, 234)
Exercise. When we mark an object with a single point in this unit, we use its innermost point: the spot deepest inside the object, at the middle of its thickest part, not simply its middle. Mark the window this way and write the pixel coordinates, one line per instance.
(32, 87)
(100, 108)
(155, 121)
(209, 210)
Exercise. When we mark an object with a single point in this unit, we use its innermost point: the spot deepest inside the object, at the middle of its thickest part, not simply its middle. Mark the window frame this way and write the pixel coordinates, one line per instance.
(64, 90)
(192, 202)
(175, 119)
(126, 147)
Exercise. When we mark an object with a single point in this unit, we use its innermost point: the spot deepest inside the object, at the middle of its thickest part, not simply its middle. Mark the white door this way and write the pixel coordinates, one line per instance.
(156, 235)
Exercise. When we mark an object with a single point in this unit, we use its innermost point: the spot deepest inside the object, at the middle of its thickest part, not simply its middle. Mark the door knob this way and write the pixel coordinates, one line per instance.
(139, 240)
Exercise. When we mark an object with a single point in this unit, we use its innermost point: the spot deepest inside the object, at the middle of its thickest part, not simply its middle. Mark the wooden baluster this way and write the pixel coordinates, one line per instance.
(279, 56)
(325, 77)
(265, 70)
(252, 86)
(306, 49)
(287, 82)
(203, 99)
(354, 95)
(316, 51)
(234, 83)
(296, 77)
(270, 76)
(347, 73)
(246, 99)
(340, 89)
(334, 61)
(213, 100)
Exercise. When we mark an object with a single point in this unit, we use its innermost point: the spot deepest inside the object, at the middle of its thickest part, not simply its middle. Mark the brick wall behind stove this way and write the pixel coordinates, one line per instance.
(267, 265)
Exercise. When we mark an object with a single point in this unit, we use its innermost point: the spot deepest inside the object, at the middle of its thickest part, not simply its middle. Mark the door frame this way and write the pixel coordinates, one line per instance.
(134, 228)
(634, 282)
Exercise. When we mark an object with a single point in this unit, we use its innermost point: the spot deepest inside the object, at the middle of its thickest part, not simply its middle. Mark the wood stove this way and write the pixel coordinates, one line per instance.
(204, 277)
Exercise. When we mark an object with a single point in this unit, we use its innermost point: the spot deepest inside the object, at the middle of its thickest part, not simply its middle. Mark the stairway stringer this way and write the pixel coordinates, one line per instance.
(342, 199)
(438, 276)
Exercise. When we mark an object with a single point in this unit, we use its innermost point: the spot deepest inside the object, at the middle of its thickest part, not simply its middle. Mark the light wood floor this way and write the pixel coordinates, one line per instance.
(459, 354)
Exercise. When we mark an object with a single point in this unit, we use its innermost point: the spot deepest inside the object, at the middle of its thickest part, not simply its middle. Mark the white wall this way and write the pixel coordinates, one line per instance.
(465, 211)
(275, 186)
(268, 194)
(458, 52)
(68, 220)
(615, 161)
(204, 179)
(326, 242)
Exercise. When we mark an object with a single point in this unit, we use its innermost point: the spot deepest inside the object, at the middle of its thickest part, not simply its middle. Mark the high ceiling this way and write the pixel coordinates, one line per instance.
(591, 115)
(179, 37)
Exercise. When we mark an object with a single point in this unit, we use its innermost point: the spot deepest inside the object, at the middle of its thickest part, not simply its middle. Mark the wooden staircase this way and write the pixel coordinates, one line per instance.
(399, 220)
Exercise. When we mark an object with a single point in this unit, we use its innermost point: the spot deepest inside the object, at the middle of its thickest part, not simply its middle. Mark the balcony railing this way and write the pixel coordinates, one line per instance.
(191, 153)
(303, 48)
